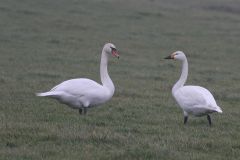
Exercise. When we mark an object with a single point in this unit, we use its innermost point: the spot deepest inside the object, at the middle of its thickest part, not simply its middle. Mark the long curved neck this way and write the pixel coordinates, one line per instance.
(183, 77)
(106, 81)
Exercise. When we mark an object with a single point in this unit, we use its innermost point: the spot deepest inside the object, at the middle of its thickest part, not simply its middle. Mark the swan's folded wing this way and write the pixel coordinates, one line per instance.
(77, 86)
(195, 96)
(187, 96)
(210, 101)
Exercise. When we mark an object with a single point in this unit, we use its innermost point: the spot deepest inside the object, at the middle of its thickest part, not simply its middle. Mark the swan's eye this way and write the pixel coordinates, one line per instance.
(113, 49)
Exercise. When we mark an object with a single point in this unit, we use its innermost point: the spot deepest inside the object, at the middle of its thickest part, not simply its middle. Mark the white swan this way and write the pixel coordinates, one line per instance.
(85, 93)
(195, 100)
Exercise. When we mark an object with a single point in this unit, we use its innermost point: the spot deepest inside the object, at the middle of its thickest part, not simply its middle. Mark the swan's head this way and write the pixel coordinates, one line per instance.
(179, 55)
(110, 48)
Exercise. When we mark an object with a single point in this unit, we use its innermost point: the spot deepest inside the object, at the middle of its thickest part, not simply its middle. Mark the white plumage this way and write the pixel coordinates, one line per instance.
(194, 100)
(85, 93)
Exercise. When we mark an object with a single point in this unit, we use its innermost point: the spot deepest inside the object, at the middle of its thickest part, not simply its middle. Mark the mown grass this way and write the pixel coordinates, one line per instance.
(46, 42)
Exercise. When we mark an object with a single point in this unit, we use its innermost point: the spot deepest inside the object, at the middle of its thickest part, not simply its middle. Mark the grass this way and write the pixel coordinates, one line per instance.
(46, 42)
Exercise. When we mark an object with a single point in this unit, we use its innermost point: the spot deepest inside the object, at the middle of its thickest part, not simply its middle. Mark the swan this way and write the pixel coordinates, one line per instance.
(85, 93)
(194, 100)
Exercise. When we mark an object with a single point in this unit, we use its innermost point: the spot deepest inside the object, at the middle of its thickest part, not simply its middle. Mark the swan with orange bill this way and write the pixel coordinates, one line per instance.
(84, 93)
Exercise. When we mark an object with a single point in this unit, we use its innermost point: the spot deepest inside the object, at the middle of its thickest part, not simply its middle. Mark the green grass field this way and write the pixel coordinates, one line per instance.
(43, 43)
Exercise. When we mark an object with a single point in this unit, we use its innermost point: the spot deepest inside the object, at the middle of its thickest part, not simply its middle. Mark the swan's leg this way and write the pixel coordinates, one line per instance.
(85, 111)
(80, 111)
(185, 119)
(209, 120)
(186, 116)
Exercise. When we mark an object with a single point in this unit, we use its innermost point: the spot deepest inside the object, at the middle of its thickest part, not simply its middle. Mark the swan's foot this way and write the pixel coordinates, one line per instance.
(85, 111)
(209, 120)
(80, 111)
(185, 119)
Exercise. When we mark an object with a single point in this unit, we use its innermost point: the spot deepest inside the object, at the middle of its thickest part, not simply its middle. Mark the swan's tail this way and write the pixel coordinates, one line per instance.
(43, 94)
(218, 109)
(50, 94)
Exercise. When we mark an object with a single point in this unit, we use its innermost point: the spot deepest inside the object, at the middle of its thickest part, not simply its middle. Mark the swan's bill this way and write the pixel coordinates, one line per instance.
(114, 51)
(169, 57)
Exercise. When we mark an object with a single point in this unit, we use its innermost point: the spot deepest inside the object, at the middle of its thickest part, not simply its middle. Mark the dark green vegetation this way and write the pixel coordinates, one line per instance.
(43, 43)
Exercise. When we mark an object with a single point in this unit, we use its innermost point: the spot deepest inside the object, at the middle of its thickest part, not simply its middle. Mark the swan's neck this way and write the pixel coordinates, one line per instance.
(106, 81)
(183, 77)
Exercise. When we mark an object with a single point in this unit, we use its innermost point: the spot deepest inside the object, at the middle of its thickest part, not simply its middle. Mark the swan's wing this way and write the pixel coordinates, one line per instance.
(210, 101)
(79, 92)
(192, 97)
(187, 96)
(77, 86)
(206, 95)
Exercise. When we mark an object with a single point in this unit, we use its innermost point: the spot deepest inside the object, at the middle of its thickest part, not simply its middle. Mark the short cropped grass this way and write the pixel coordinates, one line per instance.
(46, 42)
